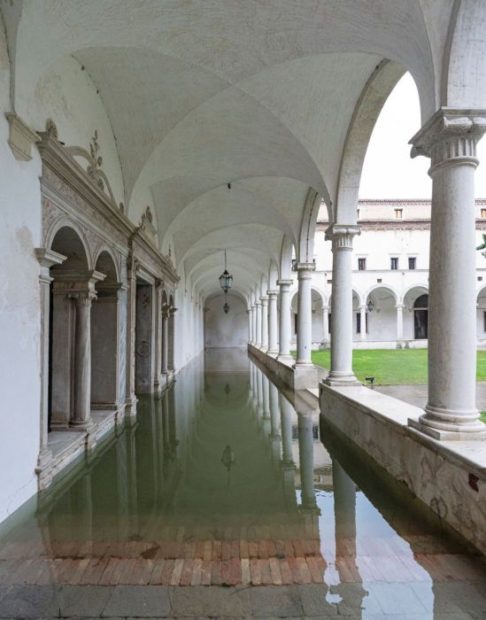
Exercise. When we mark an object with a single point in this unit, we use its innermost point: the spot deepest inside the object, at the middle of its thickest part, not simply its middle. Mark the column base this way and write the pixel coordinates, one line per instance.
(43, 469)
(272, 353)
(304, 376)
(285, 359)
(341, 379)
(447, 425)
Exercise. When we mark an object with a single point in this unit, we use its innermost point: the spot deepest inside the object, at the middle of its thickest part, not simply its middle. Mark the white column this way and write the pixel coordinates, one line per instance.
(342, 305)
(399, 308)
(449, 139)
(285, 320)
(362, 310)
(264, 339)
(272, 323)
(304, 318)
(325, 324)
(258, 312)
(248, 313)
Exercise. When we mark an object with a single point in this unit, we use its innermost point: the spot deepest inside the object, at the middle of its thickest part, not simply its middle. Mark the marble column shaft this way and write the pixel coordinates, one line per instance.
(285, 319)
(399, 309)
(304, 318)
(449, 138)
(272, 323)
(264, 324)
(342, 305)
(258, 312)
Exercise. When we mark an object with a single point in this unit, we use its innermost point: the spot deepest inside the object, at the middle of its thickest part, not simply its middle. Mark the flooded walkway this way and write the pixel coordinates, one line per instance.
(224, 501)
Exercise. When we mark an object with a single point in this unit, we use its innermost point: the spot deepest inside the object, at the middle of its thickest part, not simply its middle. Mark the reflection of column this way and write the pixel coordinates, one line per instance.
(286, 411)
(325, 324)
(362, 311)
(46, 258)
(260, 408)
(344, 491)
(272, 323)
(258, 312)
(306, 460)
(274, 423)
(285, 320)
(399, 309)
(449, 138)
(266, 404)
(264, 339)
(304, 319)
(342, 305)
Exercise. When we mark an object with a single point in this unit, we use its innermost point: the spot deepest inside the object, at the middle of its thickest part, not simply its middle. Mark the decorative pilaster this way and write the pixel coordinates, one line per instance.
(172, 311)
(342, 305)
(47, 259)
(272, 323)
(285, 320)
(165, 339)
(158, 335)
(304, 318)
(130, 397)
(449, 138)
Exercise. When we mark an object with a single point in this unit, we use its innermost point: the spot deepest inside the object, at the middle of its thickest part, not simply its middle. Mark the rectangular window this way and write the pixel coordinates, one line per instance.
(398, 214)
(361, 264)
(483, 214)
(412, 262)
(394, 263)
(358, 322)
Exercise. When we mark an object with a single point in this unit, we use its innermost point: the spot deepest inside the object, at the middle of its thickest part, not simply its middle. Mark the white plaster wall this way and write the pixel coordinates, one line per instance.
(20, 210)
(188, 327)
(66, 94)
(225, 330)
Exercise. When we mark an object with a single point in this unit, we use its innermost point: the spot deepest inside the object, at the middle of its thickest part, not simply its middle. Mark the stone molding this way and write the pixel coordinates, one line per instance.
(450, 135)
(68, 189)
(21, 137)
(284, 283)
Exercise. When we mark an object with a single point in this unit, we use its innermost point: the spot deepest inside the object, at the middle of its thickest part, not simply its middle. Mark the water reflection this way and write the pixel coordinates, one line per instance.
(225, 480)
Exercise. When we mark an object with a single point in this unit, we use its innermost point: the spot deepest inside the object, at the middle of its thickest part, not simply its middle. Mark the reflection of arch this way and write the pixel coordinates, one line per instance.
(105, 336)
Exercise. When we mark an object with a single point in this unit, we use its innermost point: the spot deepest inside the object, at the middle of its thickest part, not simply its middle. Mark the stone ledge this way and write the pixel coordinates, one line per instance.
(441, 474)
(301, 378)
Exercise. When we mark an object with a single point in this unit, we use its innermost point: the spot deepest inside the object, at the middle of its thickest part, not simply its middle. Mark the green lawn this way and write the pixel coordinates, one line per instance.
(483, 416)
(392, 366)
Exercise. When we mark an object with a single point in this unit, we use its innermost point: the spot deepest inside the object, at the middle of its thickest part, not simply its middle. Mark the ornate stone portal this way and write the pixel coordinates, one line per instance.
(97, 269)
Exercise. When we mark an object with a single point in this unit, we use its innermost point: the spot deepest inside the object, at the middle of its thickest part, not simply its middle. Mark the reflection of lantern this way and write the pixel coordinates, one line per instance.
(225, 279)
(226, 307)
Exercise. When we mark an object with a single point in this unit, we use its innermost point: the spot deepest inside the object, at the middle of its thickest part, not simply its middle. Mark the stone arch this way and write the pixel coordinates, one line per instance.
(72, 293)
(380, 305)
(368, 108)
(414, 324)
(66, 238)
(305, 248)
(463, 83)
(285, 263)
(105, 335)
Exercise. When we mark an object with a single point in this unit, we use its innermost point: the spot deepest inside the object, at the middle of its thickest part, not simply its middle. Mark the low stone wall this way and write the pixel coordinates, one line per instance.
(449, 477)
(301, 378)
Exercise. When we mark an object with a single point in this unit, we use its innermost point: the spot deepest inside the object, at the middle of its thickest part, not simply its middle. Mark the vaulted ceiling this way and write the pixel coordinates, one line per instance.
(228, 111)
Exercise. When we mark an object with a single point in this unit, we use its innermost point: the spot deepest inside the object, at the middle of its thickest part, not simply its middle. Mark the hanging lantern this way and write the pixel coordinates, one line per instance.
(225, 279)
(370, 306)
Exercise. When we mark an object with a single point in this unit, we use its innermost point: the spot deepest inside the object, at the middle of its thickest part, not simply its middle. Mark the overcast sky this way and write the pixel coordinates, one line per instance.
(389, 171)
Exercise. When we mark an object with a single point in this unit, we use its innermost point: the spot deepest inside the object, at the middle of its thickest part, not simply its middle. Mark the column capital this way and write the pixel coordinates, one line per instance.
(342, 236)
(48, 258)
(264, 299)
(271, 293)
(450, 136)
(258, 303)
(284, 283)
